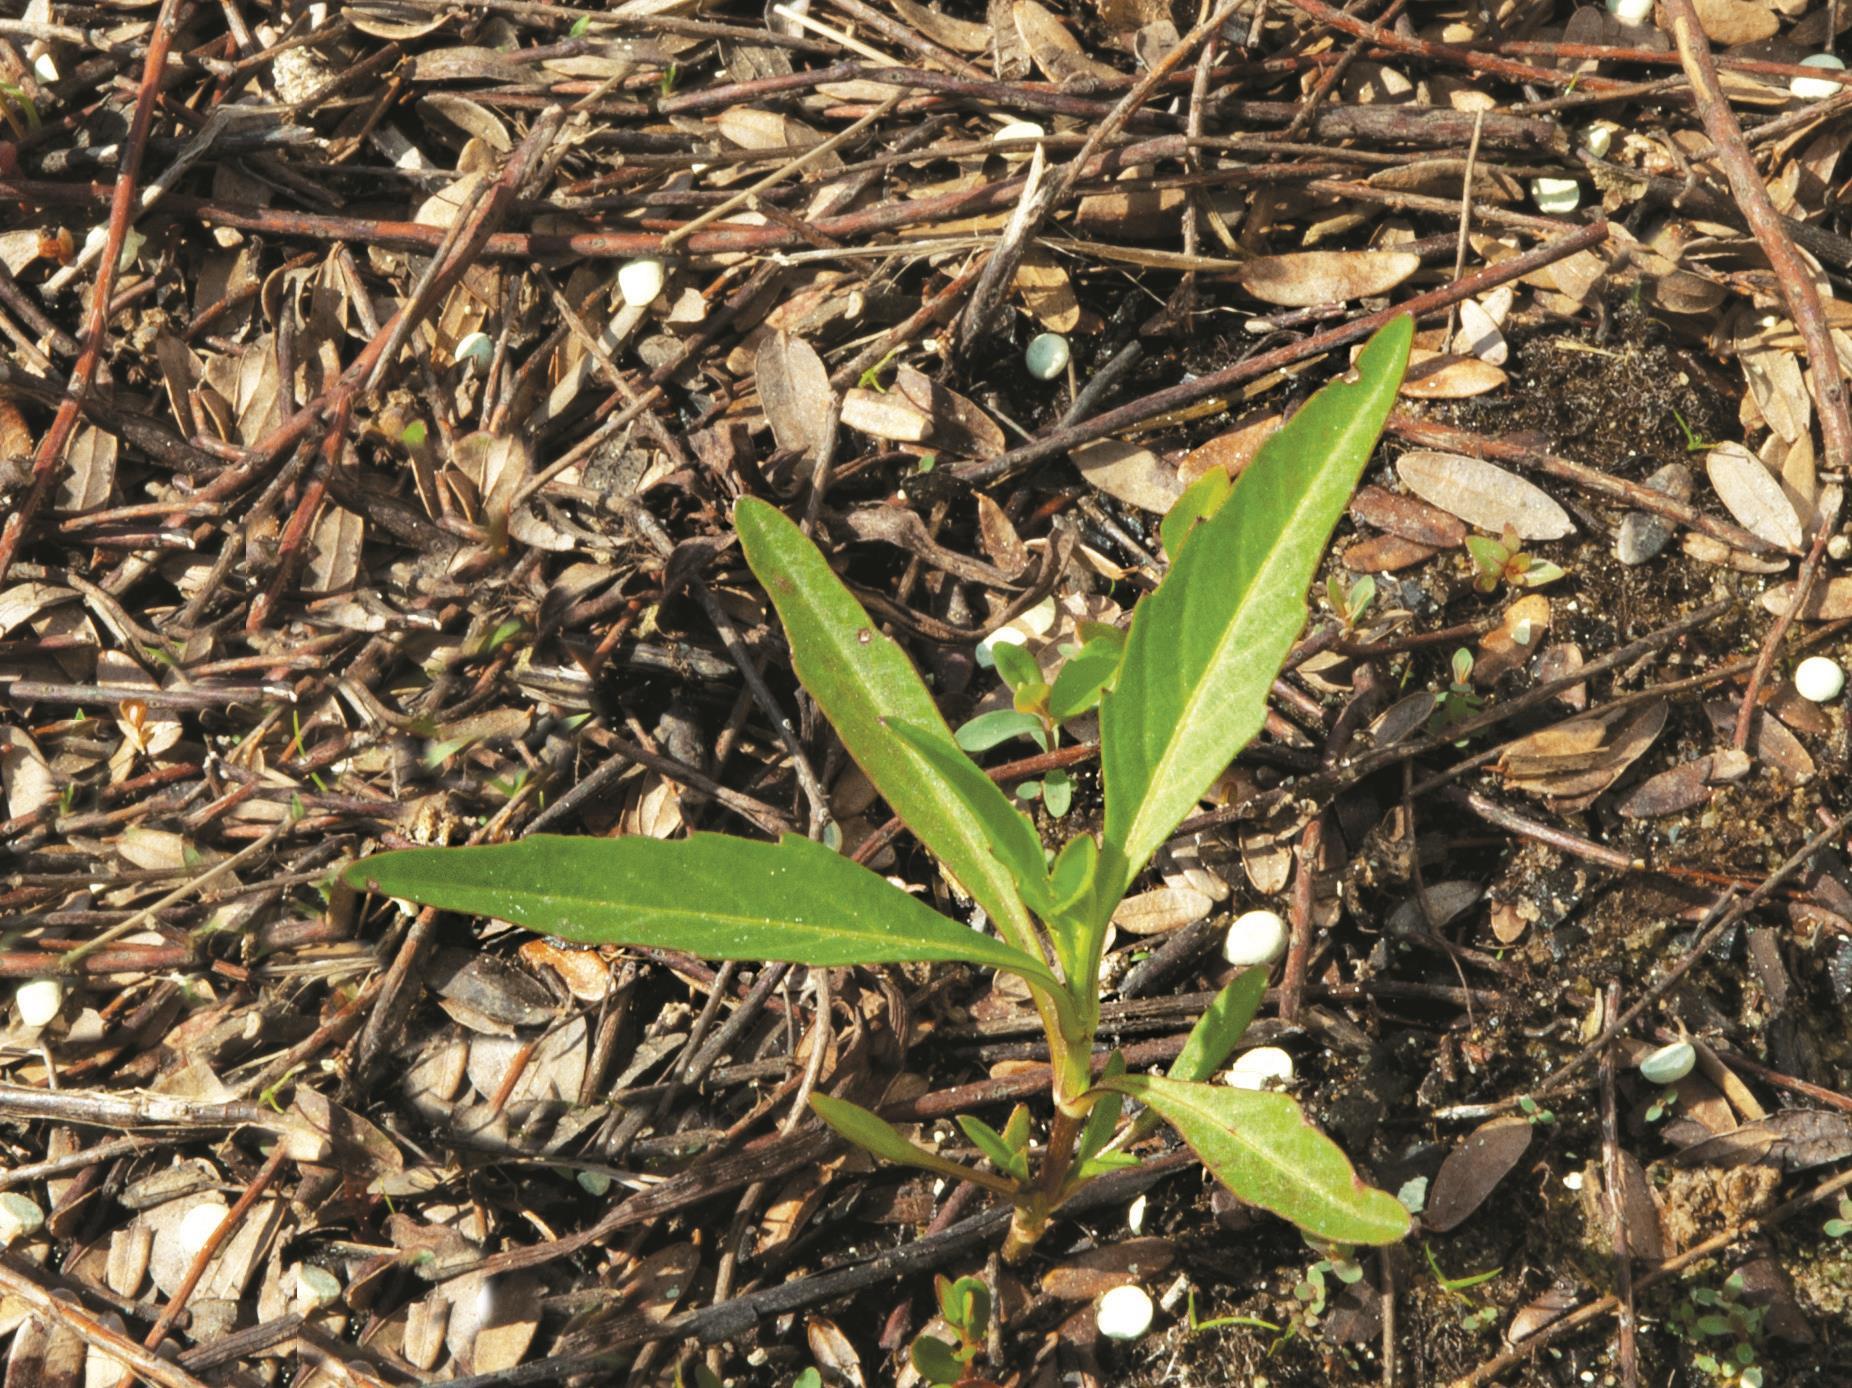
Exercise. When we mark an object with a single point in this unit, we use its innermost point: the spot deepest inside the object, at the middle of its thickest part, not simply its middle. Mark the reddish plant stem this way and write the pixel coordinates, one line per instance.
(227, 1227)
(1475, 59)
(51, 450)
(1299, 950)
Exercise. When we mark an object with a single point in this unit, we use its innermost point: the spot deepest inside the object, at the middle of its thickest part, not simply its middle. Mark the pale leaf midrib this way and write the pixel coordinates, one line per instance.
(1289, 1172)
(1265, 577)
(1334, 1207)
(996, 891)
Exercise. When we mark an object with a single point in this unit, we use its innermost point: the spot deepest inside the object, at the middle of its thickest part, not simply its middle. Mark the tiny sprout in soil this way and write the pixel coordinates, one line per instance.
(1504, 561)
(1178, 696)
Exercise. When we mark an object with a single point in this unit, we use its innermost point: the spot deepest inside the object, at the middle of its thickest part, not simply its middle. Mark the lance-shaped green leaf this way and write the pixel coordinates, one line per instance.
(875, 1134)
(712, 895)
(865, 684)
(1011, 1161)
(1221, 1026)
(1262, 1148)
(1077, 687)
(1204, 647)
(1201, 500)
(1008, 832)
(1214, 1037)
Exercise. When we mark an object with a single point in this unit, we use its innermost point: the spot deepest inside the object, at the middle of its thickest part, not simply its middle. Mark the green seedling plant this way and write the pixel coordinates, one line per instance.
(1350, 603)
(1460, 702)
(1475, 1315)
(1725, 1333)
(964, 1304)
(1840, 1224)
(1039, 708)
(1504, 561)
(1187, 692)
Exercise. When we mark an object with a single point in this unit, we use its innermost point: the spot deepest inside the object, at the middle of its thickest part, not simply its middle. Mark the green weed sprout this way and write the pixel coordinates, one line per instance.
(965, 1306)
(1184, 695)
(1504, 561)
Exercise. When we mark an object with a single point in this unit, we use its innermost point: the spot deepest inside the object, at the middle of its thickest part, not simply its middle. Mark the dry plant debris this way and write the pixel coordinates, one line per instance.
(377, 377)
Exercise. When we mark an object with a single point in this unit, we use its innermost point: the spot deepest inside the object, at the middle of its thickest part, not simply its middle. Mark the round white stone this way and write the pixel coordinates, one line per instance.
(198, 1225)
(1002, 636)
(1556, 196)
(1256, 937)
(640, 281)
(1819, 679)
(1264, 1067)
(315, 1288)
(1046, 356)
(1020, 130)
(476, 348)
(19, 1217)
(1125, 1313)
(1631, 11)
(1839, 546)
(1668, 1064)
(1817, 88)
(1598, 139)
(39, 1001)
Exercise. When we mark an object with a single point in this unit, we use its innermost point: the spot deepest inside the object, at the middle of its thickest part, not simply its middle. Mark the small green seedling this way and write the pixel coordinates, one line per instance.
(1724, 1332)
(1187, 691)
(1539, 1116)
(965, 1306)
(1038, 708)
(1694, 442)
(1474, 1315)
(1661, 1106)
(1460, 702)
(1504, 561)
(1350, 603)
(1198, 1326)
(1841, 1225)
(1311, 1291)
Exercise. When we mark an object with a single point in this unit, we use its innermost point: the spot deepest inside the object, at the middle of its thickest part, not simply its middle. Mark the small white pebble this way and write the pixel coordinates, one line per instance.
(1817, 88)
(44, 68)
(1631, 11)
(477, 349)
(1020, 130)
(39, 1001)
(1819, 679)
(1002, 636)
(1839, 546)
(198, 1225)
(1256, 937)
(1046, 356)
(1598, 139)
(19, 1217)
(1668, 1064)
(1264, 1067)
(1125, 1313)
(1135, 1215)
(640, 281)
(1556, 196)
(315, 1288)
(1573, 1181)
